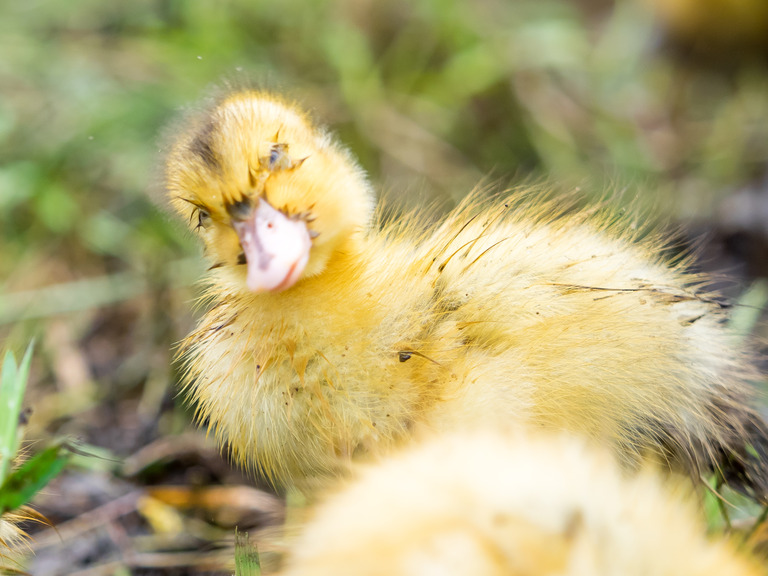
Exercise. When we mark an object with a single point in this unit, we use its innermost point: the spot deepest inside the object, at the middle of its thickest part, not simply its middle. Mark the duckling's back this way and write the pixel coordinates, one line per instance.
(573, 321)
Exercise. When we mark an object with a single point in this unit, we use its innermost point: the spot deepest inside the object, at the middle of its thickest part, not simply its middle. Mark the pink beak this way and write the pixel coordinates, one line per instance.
(276, 248)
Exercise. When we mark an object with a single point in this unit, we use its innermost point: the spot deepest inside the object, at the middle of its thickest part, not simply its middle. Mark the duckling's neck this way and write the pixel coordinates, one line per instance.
(344, 267)
(338, 286)
(364, 288)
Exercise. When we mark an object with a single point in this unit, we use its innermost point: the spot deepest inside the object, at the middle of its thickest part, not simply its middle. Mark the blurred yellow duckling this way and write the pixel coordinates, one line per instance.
(329, 335)
(487, 505)
(721, 30)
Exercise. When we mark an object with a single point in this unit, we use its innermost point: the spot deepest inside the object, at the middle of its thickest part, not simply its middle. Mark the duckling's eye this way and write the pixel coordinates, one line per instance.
(279, 158)
(274, 155)
(203, 218)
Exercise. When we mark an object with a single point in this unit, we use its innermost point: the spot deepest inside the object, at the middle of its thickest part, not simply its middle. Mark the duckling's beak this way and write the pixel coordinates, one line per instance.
(276, 247)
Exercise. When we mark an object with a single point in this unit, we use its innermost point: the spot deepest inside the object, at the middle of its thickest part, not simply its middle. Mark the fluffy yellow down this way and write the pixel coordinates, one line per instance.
(486, 505)
(12, 539)
(513, 309)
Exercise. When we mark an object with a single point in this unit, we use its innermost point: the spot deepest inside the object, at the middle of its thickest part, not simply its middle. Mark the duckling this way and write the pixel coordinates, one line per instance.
(489, 504)
(330, 335)
(12, 538)
(721, 32)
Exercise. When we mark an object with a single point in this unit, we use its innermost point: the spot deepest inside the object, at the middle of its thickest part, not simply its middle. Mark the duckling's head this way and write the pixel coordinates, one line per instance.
(273, 197)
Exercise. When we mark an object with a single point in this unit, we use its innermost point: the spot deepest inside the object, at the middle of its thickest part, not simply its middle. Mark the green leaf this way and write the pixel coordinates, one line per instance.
(21, 486)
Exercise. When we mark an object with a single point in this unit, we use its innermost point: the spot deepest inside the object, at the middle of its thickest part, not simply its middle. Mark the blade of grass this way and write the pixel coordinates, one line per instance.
(748, 309)
(13, 383)
(8, 423)
(247, 561)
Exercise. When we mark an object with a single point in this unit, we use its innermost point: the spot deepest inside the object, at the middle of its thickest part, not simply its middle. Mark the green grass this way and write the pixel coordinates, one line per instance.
(247, 562)
(13, 383)
(20, 480)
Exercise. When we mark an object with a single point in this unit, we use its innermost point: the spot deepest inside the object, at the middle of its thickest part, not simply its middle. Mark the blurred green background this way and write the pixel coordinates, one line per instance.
(432, 96)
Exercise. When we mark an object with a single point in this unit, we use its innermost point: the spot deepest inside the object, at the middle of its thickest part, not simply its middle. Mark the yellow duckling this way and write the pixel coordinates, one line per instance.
(330, 336)
(722, 30)
(12, 540)
(487, 505)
